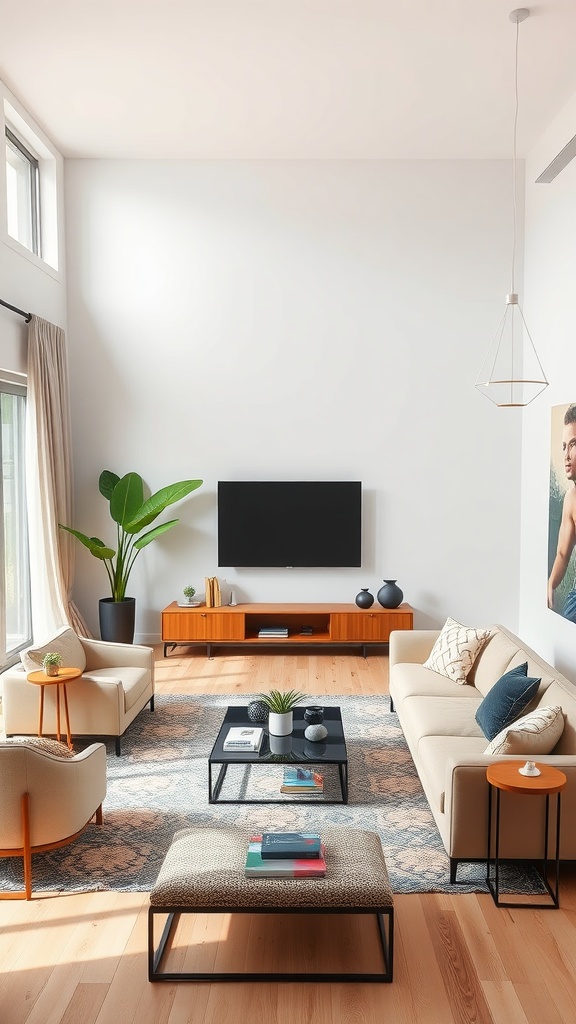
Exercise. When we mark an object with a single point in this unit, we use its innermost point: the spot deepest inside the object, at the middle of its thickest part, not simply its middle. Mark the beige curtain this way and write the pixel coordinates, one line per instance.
(49, 481)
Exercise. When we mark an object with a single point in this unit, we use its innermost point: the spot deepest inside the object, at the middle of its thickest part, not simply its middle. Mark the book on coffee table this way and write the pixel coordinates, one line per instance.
(302, 780)
(244, 737)
(257, 867)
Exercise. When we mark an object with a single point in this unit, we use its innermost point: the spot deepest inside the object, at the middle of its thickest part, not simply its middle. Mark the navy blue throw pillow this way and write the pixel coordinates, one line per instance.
(506, 701)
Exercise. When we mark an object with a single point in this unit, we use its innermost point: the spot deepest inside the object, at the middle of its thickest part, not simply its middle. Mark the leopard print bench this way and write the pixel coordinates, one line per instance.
(203, 873)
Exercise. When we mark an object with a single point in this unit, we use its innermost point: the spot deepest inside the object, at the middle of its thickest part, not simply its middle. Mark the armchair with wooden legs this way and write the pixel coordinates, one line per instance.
(46, 801)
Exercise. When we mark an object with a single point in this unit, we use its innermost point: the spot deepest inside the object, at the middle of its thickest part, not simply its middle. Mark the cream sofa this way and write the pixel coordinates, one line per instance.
(117, 682)
(447, 746)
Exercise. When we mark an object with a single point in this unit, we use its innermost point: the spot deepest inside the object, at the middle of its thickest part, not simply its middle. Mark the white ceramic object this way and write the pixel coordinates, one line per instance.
(529, 769)
(280, 725)
(316, 733)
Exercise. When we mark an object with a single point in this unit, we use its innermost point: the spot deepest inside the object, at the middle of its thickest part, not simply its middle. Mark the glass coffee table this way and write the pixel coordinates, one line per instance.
(294, 749)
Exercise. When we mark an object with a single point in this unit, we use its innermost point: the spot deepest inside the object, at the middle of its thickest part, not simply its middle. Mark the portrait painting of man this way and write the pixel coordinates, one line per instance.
(562, 513)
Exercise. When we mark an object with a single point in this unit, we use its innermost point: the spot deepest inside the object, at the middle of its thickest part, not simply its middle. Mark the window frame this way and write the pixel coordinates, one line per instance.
(7, 387)
(13, 140)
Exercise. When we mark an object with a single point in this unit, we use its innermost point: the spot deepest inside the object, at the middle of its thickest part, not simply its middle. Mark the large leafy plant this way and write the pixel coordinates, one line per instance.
(132, 515)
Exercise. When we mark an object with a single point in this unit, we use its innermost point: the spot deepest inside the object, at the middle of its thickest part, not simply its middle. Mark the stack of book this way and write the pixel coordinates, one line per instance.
(277, 632)
(213, 595)
(302, 780)
(286, 855)
(244, 737)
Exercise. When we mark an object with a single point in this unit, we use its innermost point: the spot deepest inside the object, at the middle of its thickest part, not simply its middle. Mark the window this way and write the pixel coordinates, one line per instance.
(23, 193)
(15, 610)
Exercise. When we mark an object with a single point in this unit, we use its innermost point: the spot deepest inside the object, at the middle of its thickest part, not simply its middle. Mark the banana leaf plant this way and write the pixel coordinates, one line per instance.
(132, 514)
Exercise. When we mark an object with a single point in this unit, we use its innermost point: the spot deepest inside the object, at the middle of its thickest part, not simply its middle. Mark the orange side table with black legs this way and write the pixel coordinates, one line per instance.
(504, 776)
(65, 675)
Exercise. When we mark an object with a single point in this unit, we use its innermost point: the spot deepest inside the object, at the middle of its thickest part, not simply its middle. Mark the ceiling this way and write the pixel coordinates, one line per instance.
(287, 79)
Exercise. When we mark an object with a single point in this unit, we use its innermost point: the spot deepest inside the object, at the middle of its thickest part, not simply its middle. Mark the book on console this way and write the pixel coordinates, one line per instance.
(282, 845)
(290, 867)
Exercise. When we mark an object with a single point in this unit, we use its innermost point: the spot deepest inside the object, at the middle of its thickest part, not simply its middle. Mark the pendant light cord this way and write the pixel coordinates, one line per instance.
(514, 202)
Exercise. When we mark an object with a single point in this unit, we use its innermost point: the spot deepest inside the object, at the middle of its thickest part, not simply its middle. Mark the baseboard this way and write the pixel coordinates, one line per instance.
(147, 639)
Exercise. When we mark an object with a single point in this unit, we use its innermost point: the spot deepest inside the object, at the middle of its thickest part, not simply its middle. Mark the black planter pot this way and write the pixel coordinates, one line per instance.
(117, 619)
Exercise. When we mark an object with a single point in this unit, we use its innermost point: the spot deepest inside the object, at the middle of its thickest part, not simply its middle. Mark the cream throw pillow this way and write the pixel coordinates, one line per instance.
(65, 643)
(456, 650)
(535, 733)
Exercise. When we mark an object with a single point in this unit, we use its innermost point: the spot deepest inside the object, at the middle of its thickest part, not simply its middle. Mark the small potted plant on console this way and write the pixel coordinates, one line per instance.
(51, 662)
(280, 706)
(189, 594)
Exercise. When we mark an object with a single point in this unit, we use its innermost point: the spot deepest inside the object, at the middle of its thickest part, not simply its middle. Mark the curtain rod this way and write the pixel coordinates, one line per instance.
(21, 312)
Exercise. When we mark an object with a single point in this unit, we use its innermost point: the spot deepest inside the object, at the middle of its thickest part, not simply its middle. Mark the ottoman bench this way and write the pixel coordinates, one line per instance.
(203, 873)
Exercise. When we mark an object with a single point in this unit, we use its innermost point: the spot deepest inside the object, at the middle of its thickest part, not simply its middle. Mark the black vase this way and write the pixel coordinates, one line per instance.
(364, 599)
(117, 619)
(390, 596)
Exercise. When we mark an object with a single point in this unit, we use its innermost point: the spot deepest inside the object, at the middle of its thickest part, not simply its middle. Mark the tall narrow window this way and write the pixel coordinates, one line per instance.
(22, 193)
(15, 613)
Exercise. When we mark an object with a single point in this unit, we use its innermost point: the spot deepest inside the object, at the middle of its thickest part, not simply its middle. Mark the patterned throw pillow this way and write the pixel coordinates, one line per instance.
(506, 700)
(65, 643)
(456, 650)
(535, 733)
(53, 747)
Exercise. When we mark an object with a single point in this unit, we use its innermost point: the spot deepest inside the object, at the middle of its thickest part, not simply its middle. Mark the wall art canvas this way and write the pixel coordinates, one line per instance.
(562, 512)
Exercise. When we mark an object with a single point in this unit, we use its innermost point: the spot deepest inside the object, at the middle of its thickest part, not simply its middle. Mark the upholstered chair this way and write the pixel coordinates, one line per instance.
(48, 796)
(117, 681)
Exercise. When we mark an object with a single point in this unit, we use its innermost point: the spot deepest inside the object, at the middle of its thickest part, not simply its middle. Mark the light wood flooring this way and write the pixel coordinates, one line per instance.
(81, 959)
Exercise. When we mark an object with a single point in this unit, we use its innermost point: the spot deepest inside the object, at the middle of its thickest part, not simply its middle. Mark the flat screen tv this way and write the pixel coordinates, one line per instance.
(289, 523)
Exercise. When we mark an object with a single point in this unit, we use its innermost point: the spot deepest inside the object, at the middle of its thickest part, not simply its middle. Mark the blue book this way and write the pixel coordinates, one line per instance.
(298, 845)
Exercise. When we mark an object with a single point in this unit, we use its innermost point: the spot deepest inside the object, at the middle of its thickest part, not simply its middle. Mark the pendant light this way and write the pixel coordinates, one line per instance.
(511, 374)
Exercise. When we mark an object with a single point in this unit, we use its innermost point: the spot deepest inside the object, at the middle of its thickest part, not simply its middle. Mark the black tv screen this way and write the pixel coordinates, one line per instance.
(289, 523)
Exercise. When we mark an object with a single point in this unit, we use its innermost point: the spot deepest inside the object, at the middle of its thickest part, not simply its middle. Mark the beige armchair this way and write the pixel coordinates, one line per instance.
(117, 682)
(46, 801)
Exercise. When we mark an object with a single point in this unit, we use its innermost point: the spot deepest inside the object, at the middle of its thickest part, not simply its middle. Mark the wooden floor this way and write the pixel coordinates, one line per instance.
(81, 959)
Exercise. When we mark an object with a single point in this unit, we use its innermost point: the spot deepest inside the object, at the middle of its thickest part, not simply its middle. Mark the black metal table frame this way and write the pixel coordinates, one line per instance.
(384, 916)
(493, 879)
(215, 788)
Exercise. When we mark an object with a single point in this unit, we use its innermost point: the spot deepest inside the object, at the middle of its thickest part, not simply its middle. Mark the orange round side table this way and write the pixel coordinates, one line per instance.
(504, 776)
(65, 675)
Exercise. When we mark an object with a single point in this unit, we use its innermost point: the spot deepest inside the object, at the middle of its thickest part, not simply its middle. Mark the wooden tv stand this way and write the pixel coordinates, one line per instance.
(342, 625)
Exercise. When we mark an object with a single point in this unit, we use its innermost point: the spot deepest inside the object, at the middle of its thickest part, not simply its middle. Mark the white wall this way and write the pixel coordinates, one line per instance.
(550, 310)
(298, 320)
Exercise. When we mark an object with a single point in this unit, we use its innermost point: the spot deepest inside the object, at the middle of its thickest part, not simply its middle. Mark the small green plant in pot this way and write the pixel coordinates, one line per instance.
(51, 662)
(280, 704)
(189, 593)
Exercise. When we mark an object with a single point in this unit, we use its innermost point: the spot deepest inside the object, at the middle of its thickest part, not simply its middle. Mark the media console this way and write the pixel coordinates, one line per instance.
(342, 625)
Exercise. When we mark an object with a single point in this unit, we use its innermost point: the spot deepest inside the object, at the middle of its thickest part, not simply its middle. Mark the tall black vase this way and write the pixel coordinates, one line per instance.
(390, 596)
(117, 619)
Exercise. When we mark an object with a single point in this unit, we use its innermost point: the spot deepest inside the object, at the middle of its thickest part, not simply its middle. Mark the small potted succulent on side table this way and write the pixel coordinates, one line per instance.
(280, 706)
(189, 594)
(51, 662)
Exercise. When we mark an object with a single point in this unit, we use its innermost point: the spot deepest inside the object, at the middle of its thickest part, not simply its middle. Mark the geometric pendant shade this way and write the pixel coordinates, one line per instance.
(511, 374)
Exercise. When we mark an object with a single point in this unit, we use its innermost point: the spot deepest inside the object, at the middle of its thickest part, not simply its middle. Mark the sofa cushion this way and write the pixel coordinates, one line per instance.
(535, 733)
(65, 643)
(456, 649)
(440, 716)
(434, 752)
(409, 680)
(506, 701)
(562, 693)
(132, 680)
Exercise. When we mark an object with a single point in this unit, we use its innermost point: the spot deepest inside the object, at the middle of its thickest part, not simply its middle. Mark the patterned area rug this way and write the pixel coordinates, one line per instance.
(159, 785)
